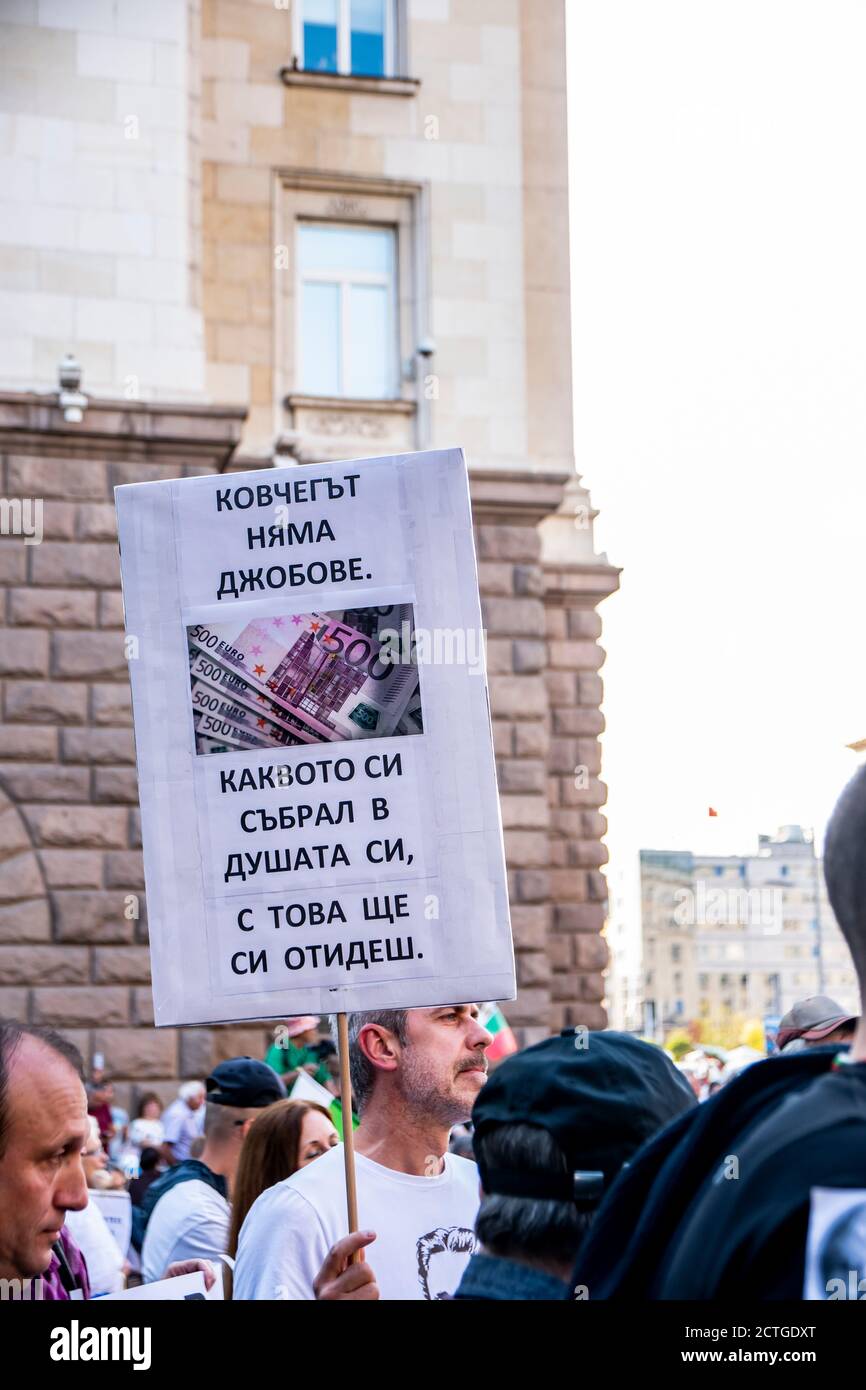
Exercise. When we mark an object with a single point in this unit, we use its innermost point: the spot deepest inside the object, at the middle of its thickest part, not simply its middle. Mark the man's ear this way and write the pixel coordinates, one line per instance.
(379, 1046)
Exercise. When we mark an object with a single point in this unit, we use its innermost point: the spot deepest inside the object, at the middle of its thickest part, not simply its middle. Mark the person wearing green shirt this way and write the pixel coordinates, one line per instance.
(296, 1047)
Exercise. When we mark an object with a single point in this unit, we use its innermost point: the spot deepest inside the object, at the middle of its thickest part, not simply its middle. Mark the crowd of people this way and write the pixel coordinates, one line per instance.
(583, 1167)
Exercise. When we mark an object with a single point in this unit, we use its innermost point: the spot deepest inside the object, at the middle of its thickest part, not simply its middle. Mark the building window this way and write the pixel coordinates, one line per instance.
(353, 37)
(346, 316)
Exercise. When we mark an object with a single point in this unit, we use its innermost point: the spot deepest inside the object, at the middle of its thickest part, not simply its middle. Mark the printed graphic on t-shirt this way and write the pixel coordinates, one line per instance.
(836, 1245)
(438, 1272)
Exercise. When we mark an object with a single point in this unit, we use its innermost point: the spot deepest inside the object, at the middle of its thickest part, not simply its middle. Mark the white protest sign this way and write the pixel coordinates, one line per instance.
(177, 1290)
(116, 1207)
(320, 821)
(306, 1087)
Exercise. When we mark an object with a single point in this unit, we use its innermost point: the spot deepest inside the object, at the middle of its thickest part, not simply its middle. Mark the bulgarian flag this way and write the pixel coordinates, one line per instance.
(504, 1042)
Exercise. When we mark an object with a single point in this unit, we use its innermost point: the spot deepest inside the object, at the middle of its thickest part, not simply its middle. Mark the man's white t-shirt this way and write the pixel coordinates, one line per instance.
(189, 1222)
(424, 1229)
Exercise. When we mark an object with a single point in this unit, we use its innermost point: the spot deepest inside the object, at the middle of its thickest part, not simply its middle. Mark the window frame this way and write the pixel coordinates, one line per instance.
(346, 281)
(391, 41)
(313, 427)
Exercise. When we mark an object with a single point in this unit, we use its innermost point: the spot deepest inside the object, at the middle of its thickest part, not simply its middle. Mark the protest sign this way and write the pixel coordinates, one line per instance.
(306, 1087)
(320, 821)
(116, 1207)
(182, 1288)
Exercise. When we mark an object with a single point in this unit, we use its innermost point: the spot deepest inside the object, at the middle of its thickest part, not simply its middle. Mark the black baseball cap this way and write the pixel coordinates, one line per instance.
(245, 1084)
(599, 1095)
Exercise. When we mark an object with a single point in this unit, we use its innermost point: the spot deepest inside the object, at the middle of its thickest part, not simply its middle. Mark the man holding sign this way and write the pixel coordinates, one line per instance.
(415, 1074)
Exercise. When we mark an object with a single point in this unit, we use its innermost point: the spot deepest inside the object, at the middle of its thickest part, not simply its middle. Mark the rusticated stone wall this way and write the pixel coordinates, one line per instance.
(73, 921)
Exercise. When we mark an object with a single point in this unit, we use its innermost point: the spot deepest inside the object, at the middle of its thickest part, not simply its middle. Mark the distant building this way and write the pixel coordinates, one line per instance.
(735, 934)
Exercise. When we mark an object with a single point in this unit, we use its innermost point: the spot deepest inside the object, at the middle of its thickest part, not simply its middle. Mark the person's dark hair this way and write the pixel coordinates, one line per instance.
(148, 1160)
(362, 1072)
(11, 1036)
(527, 1226)
(146, 1100)
(845, 868)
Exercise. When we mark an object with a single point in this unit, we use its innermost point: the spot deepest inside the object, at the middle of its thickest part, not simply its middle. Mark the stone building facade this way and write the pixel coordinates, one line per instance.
(173, 270)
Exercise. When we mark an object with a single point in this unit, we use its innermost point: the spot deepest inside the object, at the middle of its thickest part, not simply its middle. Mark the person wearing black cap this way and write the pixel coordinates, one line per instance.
(553, 1127)
(186, 1213)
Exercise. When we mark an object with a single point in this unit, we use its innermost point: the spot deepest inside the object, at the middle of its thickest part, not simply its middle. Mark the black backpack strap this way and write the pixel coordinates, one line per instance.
(67, 1278)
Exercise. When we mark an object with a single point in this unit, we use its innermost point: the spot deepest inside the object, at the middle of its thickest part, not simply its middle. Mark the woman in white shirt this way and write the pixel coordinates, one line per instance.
(145, 1132)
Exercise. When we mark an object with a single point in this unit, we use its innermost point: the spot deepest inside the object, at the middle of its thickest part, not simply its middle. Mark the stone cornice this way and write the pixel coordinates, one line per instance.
(508, 498)
(133, 429)
(579, 584)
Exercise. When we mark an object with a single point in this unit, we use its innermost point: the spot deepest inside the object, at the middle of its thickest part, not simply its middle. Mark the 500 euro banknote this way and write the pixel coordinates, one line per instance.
(326, 673)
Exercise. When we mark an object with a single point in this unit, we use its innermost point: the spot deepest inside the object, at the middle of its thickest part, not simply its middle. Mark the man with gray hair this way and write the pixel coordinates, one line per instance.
(415, 1074)
(183, 1122)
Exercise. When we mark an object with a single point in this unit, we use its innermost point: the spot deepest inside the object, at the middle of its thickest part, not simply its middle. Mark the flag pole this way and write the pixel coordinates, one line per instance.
(348, 1134)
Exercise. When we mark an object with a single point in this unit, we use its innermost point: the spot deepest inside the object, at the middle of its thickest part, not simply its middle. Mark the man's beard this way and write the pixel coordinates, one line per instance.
(428, 1094)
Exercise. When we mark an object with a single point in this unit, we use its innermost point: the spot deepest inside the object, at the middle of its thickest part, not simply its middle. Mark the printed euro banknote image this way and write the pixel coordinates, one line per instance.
(304, 678)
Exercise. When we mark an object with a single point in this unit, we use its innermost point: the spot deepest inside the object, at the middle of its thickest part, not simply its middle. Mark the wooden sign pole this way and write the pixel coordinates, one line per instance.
(348, 1133)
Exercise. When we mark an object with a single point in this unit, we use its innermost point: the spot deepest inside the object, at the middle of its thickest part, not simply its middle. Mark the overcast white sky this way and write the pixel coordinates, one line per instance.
(719, 271)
